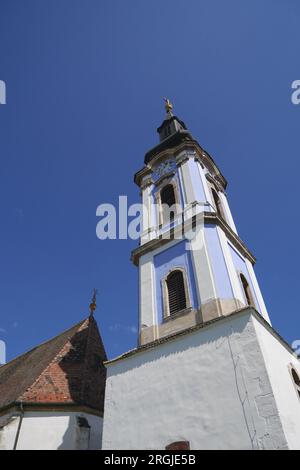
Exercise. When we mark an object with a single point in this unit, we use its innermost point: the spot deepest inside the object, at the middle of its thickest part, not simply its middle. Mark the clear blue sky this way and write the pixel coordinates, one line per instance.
(85, 81)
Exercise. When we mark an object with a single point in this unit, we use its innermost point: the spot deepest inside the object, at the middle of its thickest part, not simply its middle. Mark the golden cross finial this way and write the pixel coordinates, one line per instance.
(93, 304)
(168, 105)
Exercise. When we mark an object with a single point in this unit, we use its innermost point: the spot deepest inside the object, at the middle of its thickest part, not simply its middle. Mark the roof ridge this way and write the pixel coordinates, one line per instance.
(80, 324)
(41, 344)
(86, 359)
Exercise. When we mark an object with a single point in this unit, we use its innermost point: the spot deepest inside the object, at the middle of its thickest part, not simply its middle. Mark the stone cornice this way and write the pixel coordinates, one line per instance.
(224, 318)
(197, 152)
(147, 182)
(209, 218)
(215, 182)
(164, 177)
(182, 158)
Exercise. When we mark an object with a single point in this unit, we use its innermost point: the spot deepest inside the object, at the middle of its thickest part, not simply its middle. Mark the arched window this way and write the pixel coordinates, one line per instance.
(218, 204)
(247, 291)
(167, 195)
(168, 200)
(177, 298)
(296, 379)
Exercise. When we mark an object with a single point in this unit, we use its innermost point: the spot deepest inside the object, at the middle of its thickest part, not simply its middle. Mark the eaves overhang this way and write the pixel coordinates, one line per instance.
(172, 151)
(47, 406)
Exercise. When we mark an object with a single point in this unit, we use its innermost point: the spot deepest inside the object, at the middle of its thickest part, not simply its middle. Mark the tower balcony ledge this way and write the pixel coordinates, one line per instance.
(163, 235)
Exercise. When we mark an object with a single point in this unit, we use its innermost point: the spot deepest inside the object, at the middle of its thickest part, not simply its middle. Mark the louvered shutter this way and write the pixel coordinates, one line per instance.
(176, 292)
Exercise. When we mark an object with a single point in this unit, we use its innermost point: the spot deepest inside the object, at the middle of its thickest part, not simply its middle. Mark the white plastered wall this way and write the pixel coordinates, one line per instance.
(48, 431)
(278, 359)
(209, 387)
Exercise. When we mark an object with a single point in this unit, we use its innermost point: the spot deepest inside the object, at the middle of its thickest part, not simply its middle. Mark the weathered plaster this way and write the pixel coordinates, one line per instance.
(209, 387)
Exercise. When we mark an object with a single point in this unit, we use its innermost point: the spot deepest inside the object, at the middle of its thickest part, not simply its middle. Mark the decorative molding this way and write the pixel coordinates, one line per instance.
(146, 182)
(182, 158)
(210, 218)
(164, 168)
(163, 177)
(215, 183)
(193, 150)
(224, 318)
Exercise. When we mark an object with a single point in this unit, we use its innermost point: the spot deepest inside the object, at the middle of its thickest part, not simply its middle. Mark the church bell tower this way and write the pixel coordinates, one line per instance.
(209, 371)
(193, 266)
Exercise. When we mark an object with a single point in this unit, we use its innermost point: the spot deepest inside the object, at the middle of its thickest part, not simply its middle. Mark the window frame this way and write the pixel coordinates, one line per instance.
(252, 298)
(292, 368)
(174, 183)
(165, 293)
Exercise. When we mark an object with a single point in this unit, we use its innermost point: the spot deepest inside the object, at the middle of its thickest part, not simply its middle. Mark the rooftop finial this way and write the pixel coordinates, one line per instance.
(168, 105)
(93, 304)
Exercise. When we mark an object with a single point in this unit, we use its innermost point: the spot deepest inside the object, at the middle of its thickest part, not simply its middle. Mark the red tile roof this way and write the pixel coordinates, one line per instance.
(67, 369)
